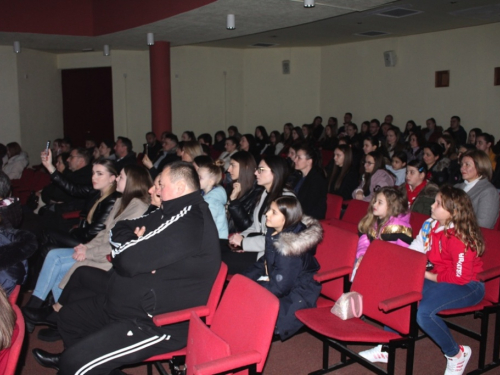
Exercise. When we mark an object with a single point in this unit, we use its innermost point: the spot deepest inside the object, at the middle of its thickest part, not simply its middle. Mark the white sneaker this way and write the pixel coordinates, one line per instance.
(375, 354)
(456, 366)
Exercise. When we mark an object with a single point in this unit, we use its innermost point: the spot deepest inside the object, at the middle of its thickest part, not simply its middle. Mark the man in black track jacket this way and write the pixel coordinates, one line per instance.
(162, 262)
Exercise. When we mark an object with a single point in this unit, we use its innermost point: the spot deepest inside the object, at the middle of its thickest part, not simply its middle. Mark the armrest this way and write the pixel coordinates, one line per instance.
(228, 363)
(180, 316)
(399, 301)
(332, 274)
(489, 274)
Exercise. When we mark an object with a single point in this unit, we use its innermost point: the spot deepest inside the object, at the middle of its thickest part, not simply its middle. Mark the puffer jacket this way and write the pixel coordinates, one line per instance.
(290, 264)
(16, 246)
(240, 211)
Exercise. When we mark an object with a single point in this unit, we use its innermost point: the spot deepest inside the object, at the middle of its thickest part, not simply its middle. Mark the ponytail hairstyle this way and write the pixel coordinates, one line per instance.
(215, 170)
(379, 164)
(311, 153)
(138, 184)
(465, 225)
(339, 173)
(397, 204)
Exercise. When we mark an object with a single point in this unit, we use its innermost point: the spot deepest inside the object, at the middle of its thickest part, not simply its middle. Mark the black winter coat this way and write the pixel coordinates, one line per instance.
(312, 194)
(240, 210)
(291, 265)
(16, 246)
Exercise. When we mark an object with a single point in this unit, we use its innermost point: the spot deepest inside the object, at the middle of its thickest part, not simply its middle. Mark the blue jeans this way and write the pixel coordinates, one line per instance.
(56, 265)
(442, 296)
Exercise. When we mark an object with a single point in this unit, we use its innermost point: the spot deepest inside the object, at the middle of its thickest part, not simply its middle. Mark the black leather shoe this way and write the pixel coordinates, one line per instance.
(46, 359)
(38, 316)
(49, 335)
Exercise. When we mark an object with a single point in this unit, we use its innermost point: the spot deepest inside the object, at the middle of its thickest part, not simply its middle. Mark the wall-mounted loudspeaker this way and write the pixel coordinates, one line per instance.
(389, 58)
(286, 66)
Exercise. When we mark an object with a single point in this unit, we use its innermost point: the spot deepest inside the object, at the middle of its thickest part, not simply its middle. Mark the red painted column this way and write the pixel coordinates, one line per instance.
(161, 103)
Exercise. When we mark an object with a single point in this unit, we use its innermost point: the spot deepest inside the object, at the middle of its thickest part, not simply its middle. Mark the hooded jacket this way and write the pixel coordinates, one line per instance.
(290, 264)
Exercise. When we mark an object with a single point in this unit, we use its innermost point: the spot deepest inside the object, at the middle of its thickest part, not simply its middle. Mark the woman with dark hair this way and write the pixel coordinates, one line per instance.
(344, 177)
(432, 132)
(18, 160)
(248, 144)
(311, 188)
(448, 144)
(261, 139)
(411, 128)
(286, 137)
(392, 141)
(437, 165)
(477, 172)
(415, 150)
(188, 136)
(107, 149)
(316, 129)
(374, 178)
(220, 140)
(243, 197)
(288, 266)
(297, 135)
(271, 174)
(334, 124)
(365, 126)
(473, 134)
(133, 182)
(275, 145)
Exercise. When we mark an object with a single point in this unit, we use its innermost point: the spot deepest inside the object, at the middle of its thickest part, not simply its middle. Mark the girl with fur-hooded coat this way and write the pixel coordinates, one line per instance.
(290, 264)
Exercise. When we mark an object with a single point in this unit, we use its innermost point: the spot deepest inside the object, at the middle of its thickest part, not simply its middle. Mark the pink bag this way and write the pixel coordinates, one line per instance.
(349, 305)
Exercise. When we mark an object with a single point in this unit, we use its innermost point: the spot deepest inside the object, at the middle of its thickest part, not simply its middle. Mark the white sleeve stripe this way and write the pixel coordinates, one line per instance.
(161, 228)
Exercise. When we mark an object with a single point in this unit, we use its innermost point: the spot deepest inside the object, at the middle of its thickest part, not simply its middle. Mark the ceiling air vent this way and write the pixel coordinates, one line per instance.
(263, 45)
(372, 33)
(399, 12)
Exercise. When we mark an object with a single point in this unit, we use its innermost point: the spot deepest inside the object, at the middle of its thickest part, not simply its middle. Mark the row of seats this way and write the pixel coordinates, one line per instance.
(390, 278)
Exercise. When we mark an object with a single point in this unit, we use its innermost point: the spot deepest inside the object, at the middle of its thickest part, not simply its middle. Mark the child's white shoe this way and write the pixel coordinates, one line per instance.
(375, 354)
(456, 366)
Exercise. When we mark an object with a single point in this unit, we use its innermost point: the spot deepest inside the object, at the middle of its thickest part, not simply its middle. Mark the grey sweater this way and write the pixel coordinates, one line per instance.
(484, 197)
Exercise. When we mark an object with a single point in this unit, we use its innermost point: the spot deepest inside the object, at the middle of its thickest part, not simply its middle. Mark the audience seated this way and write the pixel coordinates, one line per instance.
(344, 176)
(167, 155)
(419, 192)
(375, 177)
(124, 154)
(437, 164)
(16, 162)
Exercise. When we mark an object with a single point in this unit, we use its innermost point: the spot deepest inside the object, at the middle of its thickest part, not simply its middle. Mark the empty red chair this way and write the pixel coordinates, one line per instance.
(333, 206)
(241, 331)
(390, 279)
(488, 306)
(206, 311)
(336, 255)
(355, 211)
(11, 357)
(416, 221)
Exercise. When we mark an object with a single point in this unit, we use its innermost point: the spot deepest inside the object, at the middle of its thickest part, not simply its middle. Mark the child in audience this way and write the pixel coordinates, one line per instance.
(398, 167)
(215, 195)
(419, 191)
(387, 219)
(8, 329)
(288, 265)
(375, 177)
(453, 243)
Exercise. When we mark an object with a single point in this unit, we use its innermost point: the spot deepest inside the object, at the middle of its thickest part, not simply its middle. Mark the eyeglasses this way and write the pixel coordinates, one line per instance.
(259, 170)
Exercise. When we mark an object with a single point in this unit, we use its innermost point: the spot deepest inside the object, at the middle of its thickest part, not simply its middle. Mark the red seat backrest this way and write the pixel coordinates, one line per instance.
(416, 221)
(326, 156)
(355, 211)
(333, 206)
(491, 259)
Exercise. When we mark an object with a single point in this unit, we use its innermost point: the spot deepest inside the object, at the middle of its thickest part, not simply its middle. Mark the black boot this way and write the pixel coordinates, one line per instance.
(47, 359)
(35, 317)
(35, 302)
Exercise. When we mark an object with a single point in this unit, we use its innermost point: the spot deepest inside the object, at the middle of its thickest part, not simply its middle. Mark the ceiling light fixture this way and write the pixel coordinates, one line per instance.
(17, 46)
(231, 25)
(151, 39)
(105, 50)
(308, 3)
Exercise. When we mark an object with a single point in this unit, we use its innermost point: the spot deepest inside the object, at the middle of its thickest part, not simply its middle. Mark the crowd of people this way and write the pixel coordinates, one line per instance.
(154, 226)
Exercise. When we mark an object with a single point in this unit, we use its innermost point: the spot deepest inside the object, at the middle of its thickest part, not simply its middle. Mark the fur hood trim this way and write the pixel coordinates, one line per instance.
(442, 164)
(296, 244)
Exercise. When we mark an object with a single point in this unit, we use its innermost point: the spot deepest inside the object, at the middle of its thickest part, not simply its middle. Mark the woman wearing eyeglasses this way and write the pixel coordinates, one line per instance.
(374, 178)
(249, 245)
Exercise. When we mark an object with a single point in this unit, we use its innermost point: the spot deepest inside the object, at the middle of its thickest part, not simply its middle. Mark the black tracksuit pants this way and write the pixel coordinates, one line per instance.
(96, 344)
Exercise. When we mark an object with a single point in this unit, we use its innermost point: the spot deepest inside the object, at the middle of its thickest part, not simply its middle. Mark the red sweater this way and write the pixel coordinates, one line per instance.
(451, 262)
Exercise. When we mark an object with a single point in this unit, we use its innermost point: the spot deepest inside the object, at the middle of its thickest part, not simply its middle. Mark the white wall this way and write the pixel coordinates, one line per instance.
(40, 101)
(131, 89)
(10, 127)
(207, 89)
(354, 78)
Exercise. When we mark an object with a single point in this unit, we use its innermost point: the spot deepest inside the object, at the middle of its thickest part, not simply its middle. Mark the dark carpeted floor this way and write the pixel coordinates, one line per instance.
(302, 354)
